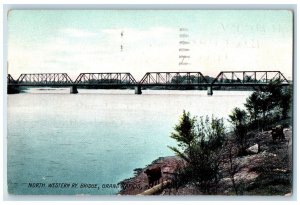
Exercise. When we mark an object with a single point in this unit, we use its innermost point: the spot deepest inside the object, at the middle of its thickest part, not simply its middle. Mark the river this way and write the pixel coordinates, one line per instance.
(96, 136)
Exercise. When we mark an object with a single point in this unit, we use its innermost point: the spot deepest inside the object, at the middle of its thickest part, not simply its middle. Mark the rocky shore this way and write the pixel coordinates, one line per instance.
(139, 182)
(265, 170)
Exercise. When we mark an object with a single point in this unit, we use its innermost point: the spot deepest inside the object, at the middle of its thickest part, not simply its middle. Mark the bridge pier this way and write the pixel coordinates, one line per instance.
(209, 90)
(138, 90)
(73, 89)
(11, 89)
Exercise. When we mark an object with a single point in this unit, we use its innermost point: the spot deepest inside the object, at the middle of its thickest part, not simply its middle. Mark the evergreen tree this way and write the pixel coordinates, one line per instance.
(239, 120)
(200, 143)
(185, 135)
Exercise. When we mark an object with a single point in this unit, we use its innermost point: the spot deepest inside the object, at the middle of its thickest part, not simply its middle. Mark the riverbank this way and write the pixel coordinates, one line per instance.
(266, 170)
(139, 182)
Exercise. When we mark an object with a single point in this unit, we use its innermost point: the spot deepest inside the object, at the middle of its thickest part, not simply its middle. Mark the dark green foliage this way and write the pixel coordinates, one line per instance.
(239, 120)
(185, 135)
(269, 105)
(202, 142)
(238, 117)
(206, 153)
(184, 131)
(252, 106)
(285, 101)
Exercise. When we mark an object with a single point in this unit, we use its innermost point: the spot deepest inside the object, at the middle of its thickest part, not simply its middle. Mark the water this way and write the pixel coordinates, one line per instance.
(96, 136)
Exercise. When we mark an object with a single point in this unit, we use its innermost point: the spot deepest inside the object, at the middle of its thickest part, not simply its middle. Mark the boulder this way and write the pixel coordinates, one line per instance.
(253, 149)
(288, 194)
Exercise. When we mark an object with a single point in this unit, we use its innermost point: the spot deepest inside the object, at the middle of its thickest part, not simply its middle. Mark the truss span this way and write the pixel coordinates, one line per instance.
(251, 78)
(105, 79)
(44, 79)
(173, 78)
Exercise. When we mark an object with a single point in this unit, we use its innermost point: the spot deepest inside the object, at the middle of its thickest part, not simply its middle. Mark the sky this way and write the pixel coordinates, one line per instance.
(140, 41)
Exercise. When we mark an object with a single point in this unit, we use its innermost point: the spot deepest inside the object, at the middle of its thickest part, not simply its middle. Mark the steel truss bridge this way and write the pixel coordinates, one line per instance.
(174, 80)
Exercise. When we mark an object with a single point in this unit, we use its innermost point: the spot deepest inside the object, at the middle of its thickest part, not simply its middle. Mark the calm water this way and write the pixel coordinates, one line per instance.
(96, 136)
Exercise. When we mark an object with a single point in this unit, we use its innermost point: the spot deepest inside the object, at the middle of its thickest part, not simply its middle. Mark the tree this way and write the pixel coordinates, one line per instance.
(233, 167)
(184, 134)
(269, 104)
(252, 106)
(285, 101)
(240, 126)
(201, 142)
(264, 102)
(207, 153)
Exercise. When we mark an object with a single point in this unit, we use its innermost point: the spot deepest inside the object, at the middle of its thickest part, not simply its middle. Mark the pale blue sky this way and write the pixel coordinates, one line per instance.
(75, 41)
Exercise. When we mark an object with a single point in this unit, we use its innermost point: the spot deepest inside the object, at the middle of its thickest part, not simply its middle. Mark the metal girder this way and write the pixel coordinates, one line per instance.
(224, 78)
(105, 79)
(44, 79)
(249, 78)
(10, 80)
(173, 78)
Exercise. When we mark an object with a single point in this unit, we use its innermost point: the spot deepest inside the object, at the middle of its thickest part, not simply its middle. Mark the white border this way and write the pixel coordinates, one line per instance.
(163, 4)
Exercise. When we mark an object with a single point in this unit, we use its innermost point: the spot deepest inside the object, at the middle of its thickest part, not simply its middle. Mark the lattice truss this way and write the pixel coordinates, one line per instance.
(249, 77)
(173, 78)
(105, 78)
(10, 79)
(44, 78)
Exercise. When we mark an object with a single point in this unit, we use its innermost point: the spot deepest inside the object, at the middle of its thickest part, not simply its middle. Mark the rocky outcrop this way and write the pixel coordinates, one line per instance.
(266, 170)
(139, 183)
(253, 149)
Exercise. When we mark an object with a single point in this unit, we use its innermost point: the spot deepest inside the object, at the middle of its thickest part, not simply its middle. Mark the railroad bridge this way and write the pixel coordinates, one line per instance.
(161, 80)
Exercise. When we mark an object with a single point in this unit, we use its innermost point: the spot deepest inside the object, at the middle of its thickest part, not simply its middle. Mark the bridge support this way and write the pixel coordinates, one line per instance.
(196, 87)
(209, 90)
(73, 89)
(11, 89)
(138, 90)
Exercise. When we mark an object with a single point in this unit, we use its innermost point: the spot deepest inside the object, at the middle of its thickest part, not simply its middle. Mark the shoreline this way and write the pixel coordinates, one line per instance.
(252, 170)
(139, 182)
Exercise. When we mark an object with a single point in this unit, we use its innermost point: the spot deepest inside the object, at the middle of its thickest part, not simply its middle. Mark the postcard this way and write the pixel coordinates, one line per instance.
(150, 102)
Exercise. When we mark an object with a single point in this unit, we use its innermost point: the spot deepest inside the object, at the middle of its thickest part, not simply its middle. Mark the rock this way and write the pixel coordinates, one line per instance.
(288, 194)
(267, 154)
(245, 175)
(253, 149)
(280, 170)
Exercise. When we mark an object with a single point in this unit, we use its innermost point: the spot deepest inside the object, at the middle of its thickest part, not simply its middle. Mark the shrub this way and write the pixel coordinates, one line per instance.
(202, 142)
(239, 120)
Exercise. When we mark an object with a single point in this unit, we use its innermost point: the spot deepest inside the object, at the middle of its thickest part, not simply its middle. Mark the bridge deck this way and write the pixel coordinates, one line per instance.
(150, 79)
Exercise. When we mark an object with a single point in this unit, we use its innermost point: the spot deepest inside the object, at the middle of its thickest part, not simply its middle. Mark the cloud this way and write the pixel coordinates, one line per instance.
(77, 33)
(154, 35)
(144, 50)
